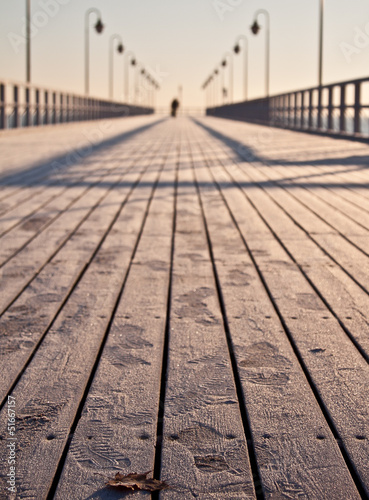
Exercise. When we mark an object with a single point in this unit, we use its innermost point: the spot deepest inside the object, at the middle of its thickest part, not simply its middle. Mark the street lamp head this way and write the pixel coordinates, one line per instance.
(99, 27)
(120, 48)
(255, 28)
(237, 49)
(143, 72)
(216, 72)
(224, 63)
(133, 62)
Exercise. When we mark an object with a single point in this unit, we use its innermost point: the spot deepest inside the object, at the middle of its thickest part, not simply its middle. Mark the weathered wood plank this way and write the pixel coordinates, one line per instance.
(27, 320)
(352, 312)
(31, 226)
(51, 388)
(20, 270)
(290, 434)
(338, 371)
(204, 451)
(117, 429)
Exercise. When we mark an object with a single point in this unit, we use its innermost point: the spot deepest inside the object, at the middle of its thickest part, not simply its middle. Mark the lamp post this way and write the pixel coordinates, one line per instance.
(209, 91)
(321, 27)
(99, 27)
(216, 73)
(141, 86)
(28, 41)
(120, 50)
(130, 61)
(224, 64)
(255, 28)
(237, 50)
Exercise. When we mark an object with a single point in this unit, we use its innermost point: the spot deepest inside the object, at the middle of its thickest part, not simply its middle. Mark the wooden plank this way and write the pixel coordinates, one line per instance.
(204, 452)
(57, 185)
(20, 270)
(343, 224)
(29, 318)
(21, 164)
(338, 371)
(117, 429)
(51, 388)
(286, 422)
(31, 226)
(351, 312)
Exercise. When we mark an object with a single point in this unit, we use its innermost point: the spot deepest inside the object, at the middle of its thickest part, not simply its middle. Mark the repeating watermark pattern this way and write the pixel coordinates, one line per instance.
(360, 42)
(11, 447)
(48, 9)
(224, 7)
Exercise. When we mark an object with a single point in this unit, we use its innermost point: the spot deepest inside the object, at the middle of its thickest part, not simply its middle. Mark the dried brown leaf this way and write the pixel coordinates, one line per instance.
(132, 482)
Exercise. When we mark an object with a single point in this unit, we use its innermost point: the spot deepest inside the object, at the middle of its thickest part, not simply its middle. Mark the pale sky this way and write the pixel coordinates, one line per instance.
(183, 41)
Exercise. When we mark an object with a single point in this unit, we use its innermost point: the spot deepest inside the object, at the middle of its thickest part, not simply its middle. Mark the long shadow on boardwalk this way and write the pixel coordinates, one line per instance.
(60, 163)
(246, 153)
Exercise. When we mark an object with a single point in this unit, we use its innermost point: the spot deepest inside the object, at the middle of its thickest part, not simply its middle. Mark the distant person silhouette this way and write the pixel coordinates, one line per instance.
(174, 107)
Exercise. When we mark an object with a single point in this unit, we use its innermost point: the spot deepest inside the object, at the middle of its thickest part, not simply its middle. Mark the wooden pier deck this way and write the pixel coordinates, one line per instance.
(187, 297)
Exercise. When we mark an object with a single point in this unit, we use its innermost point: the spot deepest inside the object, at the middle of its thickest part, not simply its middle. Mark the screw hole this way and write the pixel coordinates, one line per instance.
(267, 436)
(144, 437)
(360, 438)
(174, 437)
(320, 437)
(50, 437)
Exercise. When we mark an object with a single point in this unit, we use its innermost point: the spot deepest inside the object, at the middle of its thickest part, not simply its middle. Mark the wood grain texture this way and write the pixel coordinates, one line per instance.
(204, 447)
(289, 431)
(213, 332)
(51, 388)
(117, 429)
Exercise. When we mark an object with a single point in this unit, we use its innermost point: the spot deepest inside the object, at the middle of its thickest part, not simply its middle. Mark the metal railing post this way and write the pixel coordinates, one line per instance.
(28, 106)
(296, 109)
(330, 109)
(46, 112)
(61, 112)
(357, 118)
(16, 106)
(3, 122)
(320, 99)
(343, 109)
(310, 108)
(302, 112)
(54, 118)
(37, 112)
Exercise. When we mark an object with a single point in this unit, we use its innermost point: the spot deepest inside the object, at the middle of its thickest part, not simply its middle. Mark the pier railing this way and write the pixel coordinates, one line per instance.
(23, 105)
(338, 108)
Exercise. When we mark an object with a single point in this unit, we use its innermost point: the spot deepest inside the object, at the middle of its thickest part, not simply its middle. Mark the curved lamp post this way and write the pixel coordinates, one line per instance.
(237, 50)
(321, 27)
(130, 61)
(224, 64)
(216, 73)
(28, 40)
(120, 50)
(141, 86)
(255, 28)
(209, 91)
(99, 27)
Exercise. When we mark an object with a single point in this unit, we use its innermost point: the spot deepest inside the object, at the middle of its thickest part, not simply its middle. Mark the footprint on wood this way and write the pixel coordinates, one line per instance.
(265, 366)
(211, 463)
